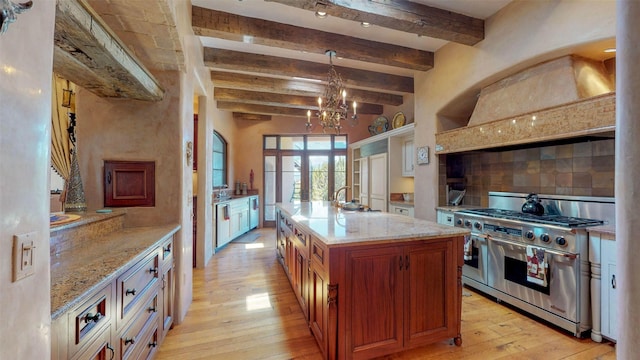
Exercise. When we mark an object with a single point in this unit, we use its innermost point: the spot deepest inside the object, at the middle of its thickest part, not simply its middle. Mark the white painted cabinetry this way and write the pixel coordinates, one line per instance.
(235, 217)
(401, 210)
(364, 181)
(408, 158)
(444, 217)
(604, 284)
(378, 181)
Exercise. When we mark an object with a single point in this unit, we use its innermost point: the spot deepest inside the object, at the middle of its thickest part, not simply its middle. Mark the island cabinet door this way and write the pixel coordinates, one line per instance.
(318, 308)
(430, 293)
(374, 302)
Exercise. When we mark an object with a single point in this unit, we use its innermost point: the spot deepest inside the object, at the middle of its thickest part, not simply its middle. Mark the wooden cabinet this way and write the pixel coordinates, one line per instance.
(126, 319)
(365, 301)
(408, 158)
(129, 183)
(408, 282)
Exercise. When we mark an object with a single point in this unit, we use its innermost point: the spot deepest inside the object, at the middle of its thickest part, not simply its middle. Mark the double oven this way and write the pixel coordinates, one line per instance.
(497, 262)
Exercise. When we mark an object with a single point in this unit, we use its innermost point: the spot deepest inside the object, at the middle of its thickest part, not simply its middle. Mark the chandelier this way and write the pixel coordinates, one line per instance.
(333, 108)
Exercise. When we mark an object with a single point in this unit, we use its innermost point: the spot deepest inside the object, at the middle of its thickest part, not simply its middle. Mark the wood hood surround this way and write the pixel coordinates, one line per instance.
(563, 98)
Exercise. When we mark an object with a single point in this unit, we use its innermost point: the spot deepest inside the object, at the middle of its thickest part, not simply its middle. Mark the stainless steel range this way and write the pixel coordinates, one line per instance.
(538, 263)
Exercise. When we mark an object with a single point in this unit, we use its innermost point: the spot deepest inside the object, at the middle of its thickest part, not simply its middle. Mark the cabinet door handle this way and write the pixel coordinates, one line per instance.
(113, 352)
(614, 283)
(92, 318)
(400, 262)
(128, 341)
(153, 270)
(151, 309)
(153, 344)
(132, 292)
(406, 262)
(109, 177)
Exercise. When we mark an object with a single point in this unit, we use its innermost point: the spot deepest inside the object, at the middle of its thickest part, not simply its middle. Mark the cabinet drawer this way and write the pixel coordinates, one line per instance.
(319, 253)
(150, 343)
(89, 319)
(99, 348)
(133, 285)
(401, 211)
(131, 340)
(167, 252)
(301, 237)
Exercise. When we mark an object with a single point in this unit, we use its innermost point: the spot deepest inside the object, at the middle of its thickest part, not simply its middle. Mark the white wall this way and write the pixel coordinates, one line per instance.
(26, 60)
(520, 35)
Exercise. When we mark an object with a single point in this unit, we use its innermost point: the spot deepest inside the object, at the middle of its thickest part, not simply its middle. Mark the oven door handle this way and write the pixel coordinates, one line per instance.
(570, 256)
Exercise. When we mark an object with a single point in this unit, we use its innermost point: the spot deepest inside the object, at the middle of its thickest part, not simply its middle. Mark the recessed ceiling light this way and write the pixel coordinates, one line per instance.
(610, 50)
(365, 24)
(321, 14)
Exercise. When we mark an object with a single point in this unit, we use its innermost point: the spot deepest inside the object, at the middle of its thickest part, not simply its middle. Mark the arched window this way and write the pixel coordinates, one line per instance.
(219, 160)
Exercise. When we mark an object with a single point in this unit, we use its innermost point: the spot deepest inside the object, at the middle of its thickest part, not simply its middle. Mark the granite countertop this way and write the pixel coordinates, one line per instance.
(231, 198)
(87, 218)
(84, 269)
(336, 227)
(605, 229)
(456, 208)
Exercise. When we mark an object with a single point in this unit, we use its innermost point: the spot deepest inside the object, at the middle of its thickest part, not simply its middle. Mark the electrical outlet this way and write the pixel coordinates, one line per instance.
(23, 255)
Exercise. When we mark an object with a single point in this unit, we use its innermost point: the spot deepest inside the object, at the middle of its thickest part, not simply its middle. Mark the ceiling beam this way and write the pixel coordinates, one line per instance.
(281, 100)
(277, 66)
(251, 117)
(296, 87)
(88, 53)
(401, 15)
(218, 24)
(260, 109)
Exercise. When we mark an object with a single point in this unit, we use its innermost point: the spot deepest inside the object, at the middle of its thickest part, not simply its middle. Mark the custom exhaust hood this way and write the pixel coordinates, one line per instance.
(563, 98)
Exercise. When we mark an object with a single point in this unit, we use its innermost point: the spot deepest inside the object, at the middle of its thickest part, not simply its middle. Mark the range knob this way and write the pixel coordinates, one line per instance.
(459, 222)
(467, 223)
(544, 238)
(477, 225)
(529, 235)
(561, 241)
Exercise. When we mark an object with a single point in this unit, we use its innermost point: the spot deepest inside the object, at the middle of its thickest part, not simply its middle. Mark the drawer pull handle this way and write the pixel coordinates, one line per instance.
(130, 291)
(167, 249)
(152, 309)
(128, 341)
(153, 270)
(92, 318)
(153, 344)
(113, 352)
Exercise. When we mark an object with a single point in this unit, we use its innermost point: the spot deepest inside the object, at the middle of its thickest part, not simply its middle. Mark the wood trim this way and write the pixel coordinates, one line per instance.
(129, 183)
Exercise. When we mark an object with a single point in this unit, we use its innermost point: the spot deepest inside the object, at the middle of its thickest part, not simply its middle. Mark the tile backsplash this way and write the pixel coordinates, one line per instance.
(581, 169)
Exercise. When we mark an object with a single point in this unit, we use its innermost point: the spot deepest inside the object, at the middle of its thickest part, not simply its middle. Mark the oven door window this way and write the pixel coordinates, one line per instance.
(516, 271)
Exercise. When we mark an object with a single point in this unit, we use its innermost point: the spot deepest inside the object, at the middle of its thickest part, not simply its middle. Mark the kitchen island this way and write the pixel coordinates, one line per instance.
(371, 283)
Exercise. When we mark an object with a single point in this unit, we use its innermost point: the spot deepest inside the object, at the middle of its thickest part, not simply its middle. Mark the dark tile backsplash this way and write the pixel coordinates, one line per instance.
(580, 169)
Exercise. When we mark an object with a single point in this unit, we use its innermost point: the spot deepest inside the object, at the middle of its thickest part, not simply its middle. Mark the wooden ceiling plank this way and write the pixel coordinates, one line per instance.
(88, 53)
(282, 100)
(263, 64)
(401, 15)
(260, 109)
(296, 87)
(218, 24)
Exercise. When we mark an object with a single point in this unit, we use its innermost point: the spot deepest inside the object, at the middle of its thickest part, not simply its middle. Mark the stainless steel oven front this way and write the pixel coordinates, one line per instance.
(508, 273)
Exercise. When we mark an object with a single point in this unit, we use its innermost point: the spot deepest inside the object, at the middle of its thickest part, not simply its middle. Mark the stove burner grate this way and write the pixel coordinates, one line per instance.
(558, 220)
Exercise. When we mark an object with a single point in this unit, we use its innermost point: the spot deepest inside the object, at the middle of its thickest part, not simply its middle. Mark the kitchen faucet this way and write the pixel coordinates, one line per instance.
(334, 201)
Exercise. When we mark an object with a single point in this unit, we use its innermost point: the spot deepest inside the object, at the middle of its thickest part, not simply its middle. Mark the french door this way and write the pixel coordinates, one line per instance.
(302, 168)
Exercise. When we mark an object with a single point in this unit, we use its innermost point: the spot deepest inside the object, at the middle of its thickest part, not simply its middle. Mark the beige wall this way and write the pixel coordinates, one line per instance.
(520, 35)
(26, 59)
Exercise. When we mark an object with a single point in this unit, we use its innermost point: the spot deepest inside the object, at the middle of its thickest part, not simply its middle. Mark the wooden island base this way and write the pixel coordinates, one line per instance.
(365, 298)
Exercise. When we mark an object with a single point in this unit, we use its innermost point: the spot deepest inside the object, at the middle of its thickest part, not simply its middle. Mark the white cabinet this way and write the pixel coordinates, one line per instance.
(602, 256)
(378, 182)
(223, 224)
(364, 181)
(401, 210)
(239, 217)
(444, 217)
(608, 307)
(254, 212)
(408, 159)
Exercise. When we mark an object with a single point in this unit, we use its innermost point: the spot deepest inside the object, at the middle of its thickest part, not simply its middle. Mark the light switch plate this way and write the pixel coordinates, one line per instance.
(23, 255)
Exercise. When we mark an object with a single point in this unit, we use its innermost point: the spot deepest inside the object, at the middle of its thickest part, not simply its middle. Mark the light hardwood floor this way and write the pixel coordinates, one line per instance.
(244, 308)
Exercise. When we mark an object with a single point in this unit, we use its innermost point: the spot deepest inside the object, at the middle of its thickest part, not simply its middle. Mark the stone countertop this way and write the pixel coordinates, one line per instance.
(456, 208)
(605, 229)
(231, 198)
(84, 269)
(336, 227)
(87, 218)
